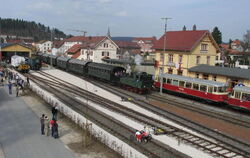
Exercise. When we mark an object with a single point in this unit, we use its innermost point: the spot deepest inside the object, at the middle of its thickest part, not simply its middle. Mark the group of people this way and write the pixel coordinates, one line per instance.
(50, 126)
(141, 135)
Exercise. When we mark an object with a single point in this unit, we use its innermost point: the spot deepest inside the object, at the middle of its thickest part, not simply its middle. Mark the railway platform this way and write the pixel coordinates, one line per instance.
(20, 132)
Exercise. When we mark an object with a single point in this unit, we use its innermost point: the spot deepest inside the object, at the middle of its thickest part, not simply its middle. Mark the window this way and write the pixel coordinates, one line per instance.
(208, 60)
(175, 82)
(169, 81)
(170, 58)
(245, 97)
(179, 72)
(170, 71)
(195, 86)
(198, 58)
(221, 89)
(204, 47)
(214, 77)
(205, 76)
(181, 83)
(180, 58)
(105, 45)
(203, 88)
(217, 57)
(237, 95)
(105, 53)
(164, 80)
(197, 75)
(210, 89)
(188, 85)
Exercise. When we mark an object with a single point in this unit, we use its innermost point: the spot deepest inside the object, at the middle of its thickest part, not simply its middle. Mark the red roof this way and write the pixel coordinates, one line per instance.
(74, 48)
(75, 39)
(91, 42)
(180, 40)
(237, 42)
(76, 55)
(127, 44)
(58, 44)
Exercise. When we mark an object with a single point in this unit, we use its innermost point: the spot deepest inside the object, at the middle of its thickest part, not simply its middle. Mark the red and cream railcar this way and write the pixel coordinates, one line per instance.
(204, 89)
(240, 97)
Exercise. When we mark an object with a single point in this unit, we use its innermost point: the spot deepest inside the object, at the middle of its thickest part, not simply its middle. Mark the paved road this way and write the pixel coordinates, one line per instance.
(20, 132)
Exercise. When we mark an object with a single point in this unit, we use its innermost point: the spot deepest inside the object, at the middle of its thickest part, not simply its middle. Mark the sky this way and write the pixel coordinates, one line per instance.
(137, 18)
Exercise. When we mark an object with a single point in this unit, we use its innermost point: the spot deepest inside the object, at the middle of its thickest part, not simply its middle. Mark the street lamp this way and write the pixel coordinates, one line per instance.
(164, 49)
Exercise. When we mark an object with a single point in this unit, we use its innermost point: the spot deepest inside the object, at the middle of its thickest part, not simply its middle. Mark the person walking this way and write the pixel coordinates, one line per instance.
(17, 90)
(28, 80)
(47, 125)
(42, 124)
(10, 87)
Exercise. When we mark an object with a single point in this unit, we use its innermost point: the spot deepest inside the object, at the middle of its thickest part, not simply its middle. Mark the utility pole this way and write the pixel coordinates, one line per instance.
(164, 49)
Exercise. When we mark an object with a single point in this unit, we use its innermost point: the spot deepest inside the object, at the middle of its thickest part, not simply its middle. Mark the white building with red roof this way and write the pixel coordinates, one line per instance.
(94, 49)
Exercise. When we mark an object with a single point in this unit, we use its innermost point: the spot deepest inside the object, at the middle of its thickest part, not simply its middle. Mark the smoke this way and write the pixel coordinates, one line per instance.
(138, 59)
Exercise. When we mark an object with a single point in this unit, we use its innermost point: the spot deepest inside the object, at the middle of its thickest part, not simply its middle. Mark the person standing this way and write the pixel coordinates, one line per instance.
(47, 125)
(10, 87)
(42, 124)
(55, 130)
(52, 122)
(28, 80)
(54, 111)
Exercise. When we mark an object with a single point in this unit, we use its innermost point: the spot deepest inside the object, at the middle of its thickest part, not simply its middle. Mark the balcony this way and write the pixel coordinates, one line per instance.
(203, 51)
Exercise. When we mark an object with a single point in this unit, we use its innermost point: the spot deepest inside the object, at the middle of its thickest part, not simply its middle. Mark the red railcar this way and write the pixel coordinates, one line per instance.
(204, 89)
(240, 97)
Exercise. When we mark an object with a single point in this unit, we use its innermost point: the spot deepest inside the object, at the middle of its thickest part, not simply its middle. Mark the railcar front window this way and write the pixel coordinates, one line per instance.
(188, 85)
(164, 80)
(169, 81)
(245, 97)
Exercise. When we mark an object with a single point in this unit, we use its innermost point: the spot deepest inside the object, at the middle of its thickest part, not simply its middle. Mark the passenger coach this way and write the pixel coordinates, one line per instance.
(205, 89)
(240, 97)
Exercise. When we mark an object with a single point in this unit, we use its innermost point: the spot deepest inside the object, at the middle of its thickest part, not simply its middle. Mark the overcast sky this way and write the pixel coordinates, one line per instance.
(133, 17)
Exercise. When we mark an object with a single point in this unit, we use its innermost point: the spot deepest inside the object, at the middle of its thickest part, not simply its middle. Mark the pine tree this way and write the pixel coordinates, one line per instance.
(230, 44)
(194, 27)
(184, 28)
(217, 35)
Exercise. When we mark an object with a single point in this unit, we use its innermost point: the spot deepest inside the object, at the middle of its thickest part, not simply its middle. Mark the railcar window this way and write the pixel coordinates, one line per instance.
(169, 81)
(245, 97)
(215, 89)
(195, 86)
(175, 82)
(164, 80)
(181, 83)
(210, 89)
(203, 88)
(221, 89)
(237, 95)
(188, 85)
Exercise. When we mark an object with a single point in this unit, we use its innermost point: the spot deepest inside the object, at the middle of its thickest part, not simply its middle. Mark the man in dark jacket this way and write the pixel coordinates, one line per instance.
(54, 112)
(42, 124)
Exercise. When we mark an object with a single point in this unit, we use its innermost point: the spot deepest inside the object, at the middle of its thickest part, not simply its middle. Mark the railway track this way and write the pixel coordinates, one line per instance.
(234, 119)
(216, 148)
(152, 149)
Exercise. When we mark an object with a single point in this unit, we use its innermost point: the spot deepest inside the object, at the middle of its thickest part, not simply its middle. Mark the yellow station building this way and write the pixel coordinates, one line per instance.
(183, 50)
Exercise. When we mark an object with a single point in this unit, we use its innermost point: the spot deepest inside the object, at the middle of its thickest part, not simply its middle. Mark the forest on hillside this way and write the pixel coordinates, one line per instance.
(38, 31)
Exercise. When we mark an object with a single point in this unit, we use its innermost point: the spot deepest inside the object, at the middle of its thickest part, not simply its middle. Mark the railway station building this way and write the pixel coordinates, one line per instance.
(231, 76)
(177, 51)
(8, 50)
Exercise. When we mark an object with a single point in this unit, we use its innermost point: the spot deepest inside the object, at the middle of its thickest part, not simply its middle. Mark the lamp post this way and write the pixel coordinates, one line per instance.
(164, 49)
